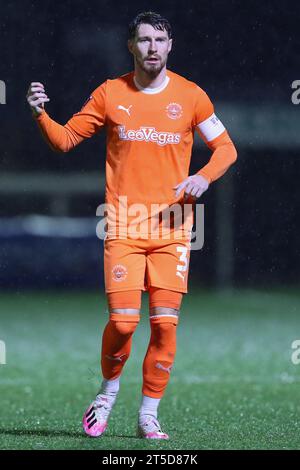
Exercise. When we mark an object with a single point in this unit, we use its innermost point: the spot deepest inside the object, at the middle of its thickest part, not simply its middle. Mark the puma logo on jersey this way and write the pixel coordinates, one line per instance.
(166, 369)
(127, 110)
(149, 134)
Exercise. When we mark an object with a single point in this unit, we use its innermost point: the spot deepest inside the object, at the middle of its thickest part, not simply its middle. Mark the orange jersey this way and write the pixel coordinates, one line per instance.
(150, 135)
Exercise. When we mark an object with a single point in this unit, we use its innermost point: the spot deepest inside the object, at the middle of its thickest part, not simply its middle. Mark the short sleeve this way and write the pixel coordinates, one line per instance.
(91, 118)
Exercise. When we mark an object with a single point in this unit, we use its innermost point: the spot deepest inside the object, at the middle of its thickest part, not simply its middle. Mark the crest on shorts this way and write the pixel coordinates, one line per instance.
(119, 273)
(174, 110)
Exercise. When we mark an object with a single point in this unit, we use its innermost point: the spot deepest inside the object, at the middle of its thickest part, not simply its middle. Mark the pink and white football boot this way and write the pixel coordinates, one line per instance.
(96, 416)
(149, 428)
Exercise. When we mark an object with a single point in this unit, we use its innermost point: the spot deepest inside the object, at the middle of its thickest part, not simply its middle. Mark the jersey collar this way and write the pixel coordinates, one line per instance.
(152, 91)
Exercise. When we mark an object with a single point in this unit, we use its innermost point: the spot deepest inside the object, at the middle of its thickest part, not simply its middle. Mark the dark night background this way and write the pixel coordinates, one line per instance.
(244, 54)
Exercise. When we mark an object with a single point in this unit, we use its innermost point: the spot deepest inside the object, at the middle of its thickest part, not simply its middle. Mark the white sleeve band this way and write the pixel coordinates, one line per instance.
(211, 127)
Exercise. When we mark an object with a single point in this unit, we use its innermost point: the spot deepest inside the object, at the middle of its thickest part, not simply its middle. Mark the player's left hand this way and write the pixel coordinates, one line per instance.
(194, 186)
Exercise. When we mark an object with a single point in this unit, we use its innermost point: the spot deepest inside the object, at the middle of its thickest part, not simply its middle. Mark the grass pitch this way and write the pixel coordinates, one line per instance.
(233, 385)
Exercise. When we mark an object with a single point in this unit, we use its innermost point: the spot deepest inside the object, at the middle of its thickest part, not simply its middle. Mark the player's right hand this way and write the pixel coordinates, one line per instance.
(36, 97)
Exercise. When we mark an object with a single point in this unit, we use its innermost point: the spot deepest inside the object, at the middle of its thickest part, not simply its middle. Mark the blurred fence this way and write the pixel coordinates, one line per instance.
(44, 252)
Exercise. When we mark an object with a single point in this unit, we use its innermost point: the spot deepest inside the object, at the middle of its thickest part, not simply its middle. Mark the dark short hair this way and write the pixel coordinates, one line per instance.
(152, 18)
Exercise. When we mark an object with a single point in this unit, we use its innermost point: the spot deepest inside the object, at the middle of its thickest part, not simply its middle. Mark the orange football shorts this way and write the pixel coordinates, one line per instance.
(138, 264)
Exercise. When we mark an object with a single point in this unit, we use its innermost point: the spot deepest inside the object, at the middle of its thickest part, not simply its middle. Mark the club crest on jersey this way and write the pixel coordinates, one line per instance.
(149, 134)
(174, 111)
(119, 273)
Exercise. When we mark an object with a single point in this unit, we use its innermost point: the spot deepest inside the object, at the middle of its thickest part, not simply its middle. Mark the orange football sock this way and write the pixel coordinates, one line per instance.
(159, 358)
(116, 343)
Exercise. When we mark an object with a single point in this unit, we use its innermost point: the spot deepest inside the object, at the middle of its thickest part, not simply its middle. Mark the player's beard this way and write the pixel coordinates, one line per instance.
(152, 70)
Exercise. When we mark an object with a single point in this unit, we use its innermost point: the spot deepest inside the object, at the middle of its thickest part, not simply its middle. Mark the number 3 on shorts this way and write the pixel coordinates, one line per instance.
(181, 268)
